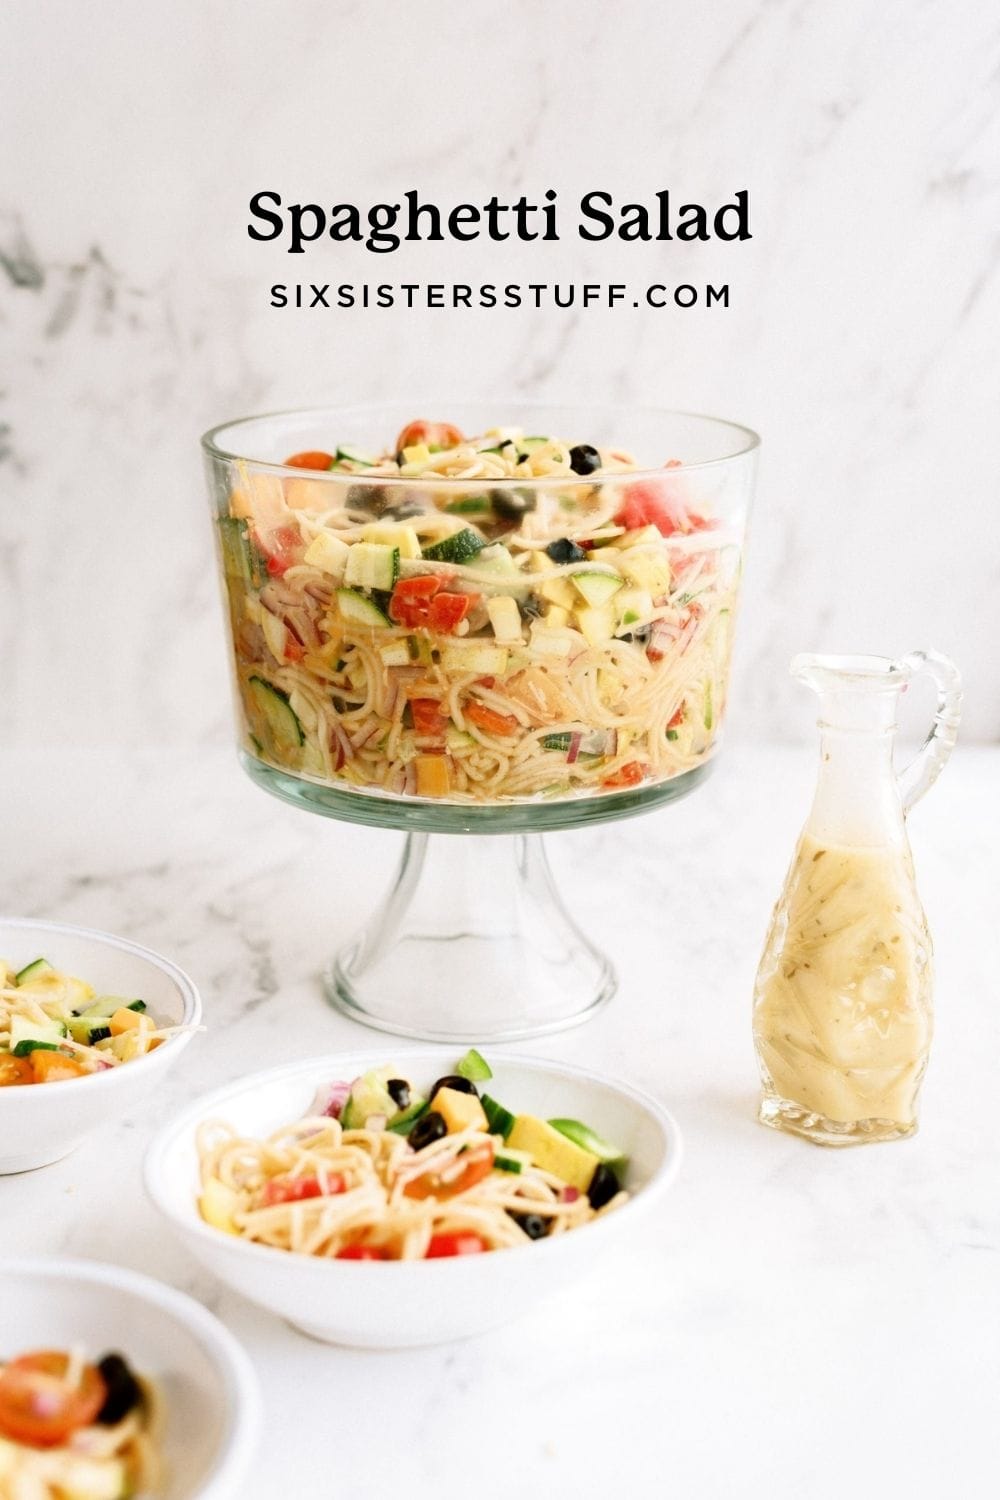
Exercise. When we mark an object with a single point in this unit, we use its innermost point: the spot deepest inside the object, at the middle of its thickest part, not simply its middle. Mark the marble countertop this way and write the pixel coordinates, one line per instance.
(793, 1323)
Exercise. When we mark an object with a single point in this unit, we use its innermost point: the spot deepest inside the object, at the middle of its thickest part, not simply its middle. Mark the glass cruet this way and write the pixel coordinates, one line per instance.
(842, 1016)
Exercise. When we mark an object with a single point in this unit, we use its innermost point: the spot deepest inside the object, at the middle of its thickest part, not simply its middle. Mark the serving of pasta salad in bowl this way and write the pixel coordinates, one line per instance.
(502, 610)
(393, 1201)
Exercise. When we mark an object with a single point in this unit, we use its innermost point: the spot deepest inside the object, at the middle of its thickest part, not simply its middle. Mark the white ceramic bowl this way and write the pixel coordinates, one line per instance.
(399, 1304)
(42, 1122)
(211, 1415)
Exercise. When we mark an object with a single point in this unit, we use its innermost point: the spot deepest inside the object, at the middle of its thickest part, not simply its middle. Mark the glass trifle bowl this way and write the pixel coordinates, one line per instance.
(517, 620)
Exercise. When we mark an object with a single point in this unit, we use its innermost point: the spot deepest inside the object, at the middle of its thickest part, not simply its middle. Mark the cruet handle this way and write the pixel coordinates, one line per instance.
(926, 766)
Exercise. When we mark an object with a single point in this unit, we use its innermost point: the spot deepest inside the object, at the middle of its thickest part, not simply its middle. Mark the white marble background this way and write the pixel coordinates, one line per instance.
(861, 340)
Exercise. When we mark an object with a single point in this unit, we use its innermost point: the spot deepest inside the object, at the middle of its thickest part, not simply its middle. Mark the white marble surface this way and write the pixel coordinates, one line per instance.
(794, 1323)
(860, 339)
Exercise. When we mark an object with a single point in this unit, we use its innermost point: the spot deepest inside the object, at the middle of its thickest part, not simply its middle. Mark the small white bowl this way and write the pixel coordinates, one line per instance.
(400, 1304)
(211, 1406)
(43, 1122)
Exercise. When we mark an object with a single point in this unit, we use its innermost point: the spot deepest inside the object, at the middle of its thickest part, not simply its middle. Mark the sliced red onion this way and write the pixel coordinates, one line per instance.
(330, 1099)
(360, 740)
(575, 741)
(569, 1194)
(337, 735)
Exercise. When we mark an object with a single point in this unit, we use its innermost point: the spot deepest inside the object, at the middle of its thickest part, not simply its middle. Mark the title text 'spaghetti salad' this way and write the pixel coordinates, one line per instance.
(70, 1430)
(54, 1027)
(380, 1171)
(467, 638)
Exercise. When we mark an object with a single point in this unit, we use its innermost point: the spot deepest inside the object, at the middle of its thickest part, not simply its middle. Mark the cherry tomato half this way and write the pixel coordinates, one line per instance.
(314, 459)
(296, 1189)
(462, 1242)
(15, 1070)
(429, 718)
(628, 775)
(37, 1406)
(54, 1067)
(490, 720)
(410, 602)
(434, 434)
(476, 1163)
(362, 1252)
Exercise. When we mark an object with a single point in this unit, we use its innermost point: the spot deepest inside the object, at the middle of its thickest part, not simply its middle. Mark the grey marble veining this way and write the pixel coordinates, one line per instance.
(861, 339)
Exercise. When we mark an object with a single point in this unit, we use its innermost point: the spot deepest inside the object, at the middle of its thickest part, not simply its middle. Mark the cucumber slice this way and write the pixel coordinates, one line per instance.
(596, 588)
(474, 1067)
(496, 559)
(588, 1140)
(372, 565)
(506, 1163)
(240, 558)
(472, 505)
(355, 456)
(26, 1035)
(360, 610)
(274, 721)
(556, 741)
(88, 1029)
(456, 549)
(34, 970)
(529, 444)
(500, 1120)
(402, 1123)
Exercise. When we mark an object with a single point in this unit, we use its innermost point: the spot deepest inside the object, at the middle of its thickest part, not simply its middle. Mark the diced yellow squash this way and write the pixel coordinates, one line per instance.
(633, 607)
(550, 641)
(65, 988)
(416, 456)
(327, 552)
(556, 616)
(460, 1111)
(505, 617)
(553, 1152)
(478, 656)
(433, 775)
(404, 538)
(558, 590)
(597, 622)
(645, 536)
(217, 1205)
(275, 634)
(395, 654)
(308, 494)
(648, 568)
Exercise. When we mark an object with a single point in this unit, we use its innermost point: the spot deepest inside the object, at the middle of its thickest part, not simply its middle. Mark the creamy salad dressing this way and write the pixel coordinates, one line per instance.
(842, 1017)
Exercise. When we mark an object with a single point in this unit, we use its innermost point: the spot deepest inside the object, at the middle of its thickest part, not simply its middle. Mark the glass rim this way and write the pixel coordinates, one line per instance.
(214, 450)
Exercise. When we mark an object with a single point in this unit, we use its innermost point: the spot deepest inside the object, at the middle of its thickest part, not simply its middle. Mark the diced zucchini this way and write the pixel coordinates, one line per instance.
(409, 1116)
(634, 607)
(26, 1035)
(647, 568)
(470, 505)
(275, 634)
(328, 553)
(597, 588)
(550, 641)
(506, 1161)
(474, 1067)
(479, 657)
(34, 970)
(355, 456)
(558, 590)
(556, 741)
(387, 534)
(496, 559)
(597, 622)
(88, 1029)
(240, 558)
(360, 610)
(461, 547)
(369, 1096)
(505, 617)
(395, 653)
(372, 565)
(273, 720)
(501, 1121)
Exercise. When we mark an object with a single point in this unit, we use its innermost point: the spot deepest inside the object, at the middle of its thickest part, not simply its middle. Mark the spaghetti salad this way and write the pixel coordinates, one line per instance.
(378, 1171)
(439, 636)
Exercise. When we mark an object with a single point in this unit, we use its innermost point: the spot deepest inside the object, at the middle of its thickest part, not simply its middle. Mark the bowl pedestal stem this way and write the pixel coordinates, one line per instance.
(471, 943)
